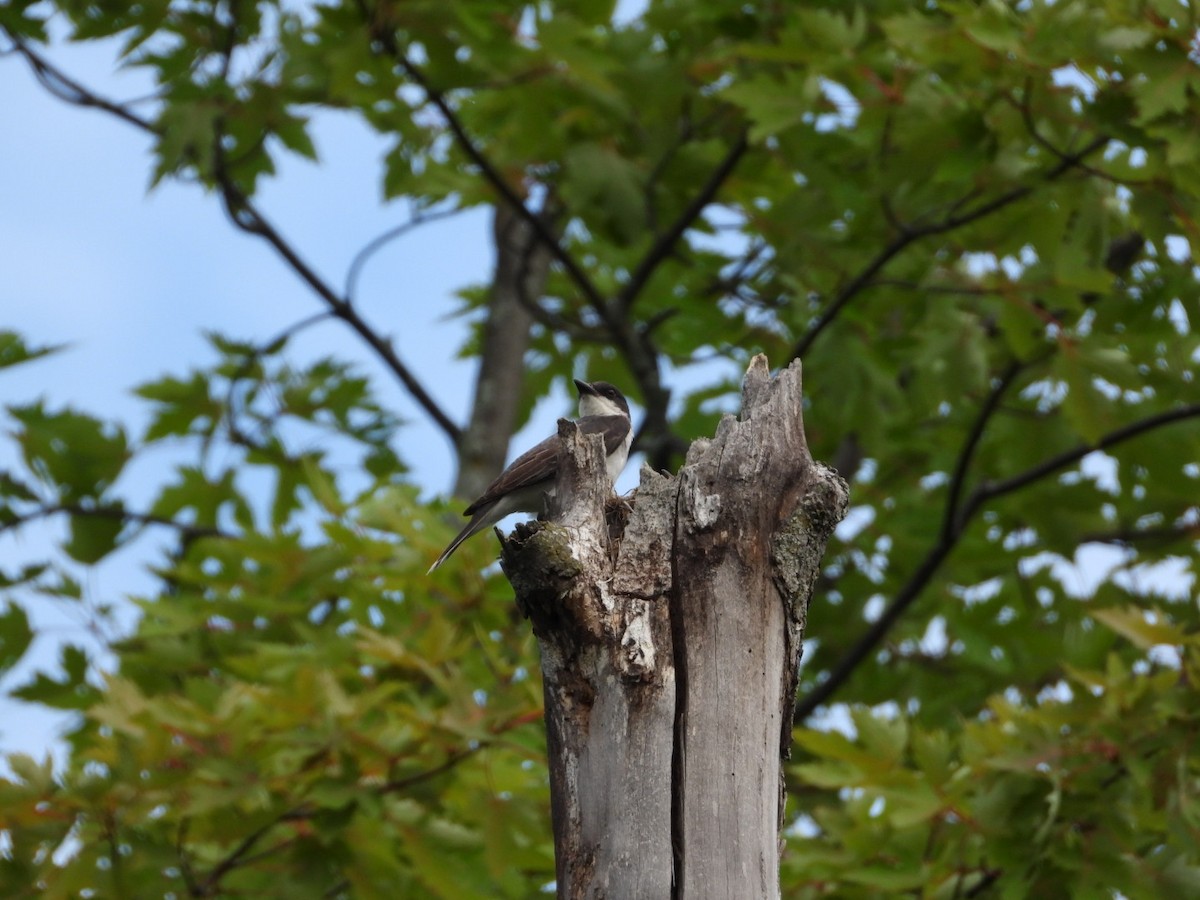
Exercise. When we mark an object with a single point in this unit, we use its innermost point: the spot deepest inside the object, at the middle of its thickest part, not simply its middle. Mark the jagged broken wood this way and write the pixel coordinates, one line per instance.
(670, 632)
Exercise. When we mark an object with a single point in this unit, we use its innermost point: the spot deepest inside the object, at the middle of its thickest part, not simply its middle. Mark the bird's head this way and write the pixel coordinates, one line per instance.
(599, 398)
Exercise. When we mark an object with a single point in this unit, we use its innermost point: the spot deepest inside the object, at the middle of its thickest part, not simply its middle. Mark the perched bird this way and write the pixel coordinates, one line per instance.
(523, 486)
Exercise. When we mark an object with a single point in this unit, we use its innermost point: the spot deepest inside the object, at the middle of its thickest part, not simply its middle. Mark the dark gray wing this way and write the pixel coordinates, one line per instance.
(540, 463)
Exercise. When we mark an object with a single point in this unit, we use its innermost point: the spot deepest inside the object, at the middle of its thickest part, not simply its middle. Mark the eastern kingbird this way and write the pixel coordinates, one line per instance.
(524, 485)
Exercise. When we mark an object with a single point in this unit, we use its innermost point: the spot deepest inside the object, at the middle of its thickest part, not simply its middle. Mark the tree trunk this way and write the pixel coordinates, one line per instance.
(522, 262)
(670, 641)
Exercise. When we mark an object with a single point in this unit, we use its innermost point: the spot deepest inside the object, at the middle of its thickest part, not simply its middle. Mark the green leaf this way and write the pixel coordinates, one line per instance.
(12, 488)
(293, 132)
(1126, 38)
(71, 692)
(76, 453)
(183, 406)
(885, 738)
(1158, 97)
(93, 537)
(15, 635)
(24, 575)
(1144, 629)
(38, 776)
(205, 497)
(1089, 413)
(14, 350)
(607, 189)
(887, 878)
(774, 106)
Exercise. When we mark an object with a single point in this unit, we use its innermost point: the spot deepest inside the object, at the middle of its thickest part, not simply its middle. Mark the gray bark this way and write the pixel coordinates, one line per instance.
(670, 635)
(522, 263)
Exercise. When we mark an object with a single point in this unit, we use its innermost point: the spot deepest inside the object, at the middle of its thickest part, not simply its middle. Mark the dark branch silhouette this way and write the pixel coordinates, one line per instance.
(633, 344)
(950, 519)
(665, 243)
(1162, 535)
(958, 523)
(992, 490)
(70, 91)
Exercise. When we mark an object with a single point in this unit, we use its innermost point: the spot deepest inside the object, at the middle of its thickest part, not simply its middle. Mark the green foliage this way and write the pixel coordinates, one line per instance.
(300, 712)
(1079, 792)
(973, 221)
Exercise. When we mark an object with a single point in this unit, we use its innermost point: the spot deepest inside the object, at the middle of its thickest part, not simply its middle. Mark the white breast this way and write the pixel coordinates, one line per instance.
(617, 459)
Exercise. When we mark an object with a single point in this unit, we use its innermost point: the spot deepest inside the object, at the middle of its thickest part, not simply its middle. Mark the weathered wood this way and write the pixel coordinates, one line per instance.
(608, 680)
(670, 650)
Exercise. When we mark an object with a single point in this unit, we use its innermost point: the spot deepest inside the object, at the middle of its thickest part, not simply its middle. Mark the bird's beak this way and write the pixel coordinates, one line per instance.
(584, 388)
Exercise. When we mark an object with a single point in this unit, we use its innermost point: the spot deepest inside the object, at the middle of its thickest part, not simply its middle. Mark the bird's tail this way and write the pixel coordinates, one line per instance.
(477, 524)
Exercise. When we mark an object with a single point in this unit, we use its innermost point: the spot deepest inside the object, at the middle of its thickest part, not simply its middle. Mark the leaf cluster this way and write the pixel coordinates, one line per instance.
(297, 713)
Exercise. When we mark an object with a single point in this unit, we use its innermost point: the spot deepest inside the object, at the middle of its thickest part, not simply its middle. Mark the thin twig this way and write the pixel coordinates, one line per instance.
(1031, 126)
(246, 216)
(378, 243)
(238, 436)
(487, 169)
(1124, 537)
(991, 491)
(400, 784)
(210, 885)
(547, 318)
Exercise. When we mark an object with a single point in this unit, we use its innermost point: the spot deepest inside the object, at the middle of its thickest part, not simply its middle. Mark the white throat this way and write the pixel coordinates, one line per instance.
(595, 405)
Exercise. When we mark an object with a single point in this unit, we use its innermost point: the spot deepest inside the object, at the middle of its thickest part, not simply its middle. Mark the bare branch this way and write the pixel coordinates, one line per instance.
(235, 432)
(70, 91)
(743, 270)
(953, 525)
(246, 216)
(400, 784)
(1162, 535)
(962, 290)
(1041, 140)
(212, 883)
(544, 316)
(387, 41)
(634, 345)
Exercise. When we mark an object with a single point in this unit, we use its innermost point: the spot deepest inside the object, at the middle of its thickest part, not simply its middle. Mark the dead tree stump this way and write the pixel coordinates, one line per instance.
(670, 631)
